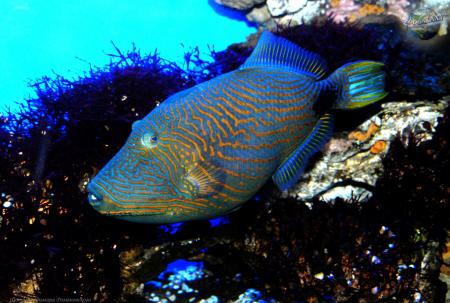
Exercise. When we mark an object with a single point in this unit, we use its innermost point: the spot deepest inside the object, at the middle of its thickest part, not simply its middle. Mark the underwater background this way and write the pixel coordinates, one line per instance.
(42, 37)
(377, 231)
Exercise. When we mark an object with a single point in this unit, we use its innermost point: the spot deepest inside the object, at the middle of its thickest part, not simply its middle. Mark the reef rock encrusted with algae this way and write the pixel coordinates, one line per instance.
(293, 12)
(351, 163)
(272, 12)
(176, 284)
(240, 4)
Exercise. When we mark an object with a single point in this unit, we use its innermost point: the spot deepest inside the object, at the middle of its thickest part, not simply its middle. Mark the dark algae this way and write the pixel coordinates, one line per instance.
(54, 245)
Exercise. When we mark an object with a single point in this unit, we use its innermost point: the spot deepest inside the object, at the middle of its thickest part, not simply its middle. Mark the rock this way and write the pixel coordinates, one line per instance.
(251, 295)
(278, 8)
(272, 12)
(445, 269)
(305, 14)
(293, 12)
(352, 163)
(240, 4)
(27, 290)
(436, 3)
(430, 285)
(180, 281)
(290, 13)
(259, 15)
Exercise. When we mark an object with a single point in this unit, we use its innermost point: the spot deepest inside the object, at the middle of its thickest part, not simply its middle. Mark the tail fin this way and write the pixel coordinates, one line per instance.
(359, 83)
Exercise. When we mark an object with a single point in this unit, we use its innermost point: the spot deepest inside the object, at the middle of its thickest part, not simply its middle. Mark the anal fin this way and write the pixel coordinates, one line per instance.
(290, 171)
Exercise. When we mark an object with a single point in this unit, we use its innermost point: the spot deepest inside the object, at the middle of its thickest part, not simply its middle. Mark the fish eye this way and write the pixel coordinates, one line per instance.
(149, 140)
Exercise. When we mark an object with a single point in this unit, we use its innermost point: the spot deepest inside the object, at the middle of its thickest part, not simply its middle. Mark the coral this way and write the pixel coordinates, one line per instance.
(335, 3)
(378, 147)
(363, 136)
(348, 10)
(343, 10)
(398, 8)
(370, 9)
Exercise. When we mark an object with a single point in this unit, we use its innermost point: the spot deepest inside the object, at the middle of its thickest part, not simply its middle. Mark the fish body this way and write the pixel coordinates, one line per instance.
(206, 150)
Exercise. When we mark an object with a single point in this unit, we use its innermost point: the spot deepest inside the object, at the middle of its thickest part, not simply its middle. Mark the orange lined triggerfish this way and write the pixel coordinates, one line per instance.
(206, 150)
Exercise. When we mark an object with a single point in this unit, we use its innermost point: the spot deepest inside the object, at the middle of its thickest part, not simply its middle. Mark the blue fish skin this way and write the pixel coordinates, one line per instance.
(206, 150)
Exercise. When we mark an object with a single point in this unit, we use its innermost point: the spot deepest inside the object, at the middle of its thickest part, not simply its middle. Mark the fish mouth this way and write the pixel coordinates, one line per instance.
(105, 209)
(128, 213)
(95, 197)
(151, 219)
(103, 203)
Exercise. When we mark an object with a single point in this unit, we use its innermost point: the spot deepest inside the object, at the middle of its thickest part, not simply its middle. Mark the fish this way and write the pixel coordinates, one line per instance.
(206, 150)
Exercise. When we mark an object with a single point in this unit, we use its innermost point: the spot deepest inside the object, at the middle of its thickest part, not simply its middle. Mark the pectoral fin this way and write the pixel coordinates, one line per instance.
(290, 171)
(204, 179)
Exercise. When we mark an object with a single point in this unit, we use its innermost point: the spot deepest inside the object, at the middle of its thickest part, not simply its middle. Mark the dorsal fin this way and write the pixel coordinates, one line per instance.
(273, 51)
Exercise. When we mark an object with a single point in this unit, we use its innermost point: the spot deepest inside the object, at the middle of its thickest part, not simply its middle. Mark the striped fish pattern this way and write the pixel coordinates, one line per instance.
(206, 150)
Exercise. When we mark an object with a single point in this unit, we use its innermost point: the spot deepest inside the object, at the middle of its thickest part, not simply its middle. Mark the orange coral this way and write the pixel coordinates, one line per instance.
(370, 9)
(446, 258)
(378, 147)
(335, 3)
(361, 136)
(353, 17)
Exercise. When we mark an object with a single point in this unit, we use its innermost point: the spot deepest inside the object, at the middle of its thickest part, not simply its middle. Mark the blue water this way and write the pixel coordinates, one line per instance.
(39, 37)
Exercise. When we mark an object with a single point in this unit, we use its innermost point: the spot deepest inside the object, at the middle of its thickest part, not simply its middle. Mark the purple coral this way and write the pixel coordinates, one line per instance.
(398, 8)
(343, 10)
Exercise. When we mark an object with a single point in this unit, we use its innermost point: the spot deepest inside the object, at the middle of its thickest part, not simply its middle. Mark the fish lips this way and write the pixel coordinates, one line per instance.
(103, 204)
(95, 197)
